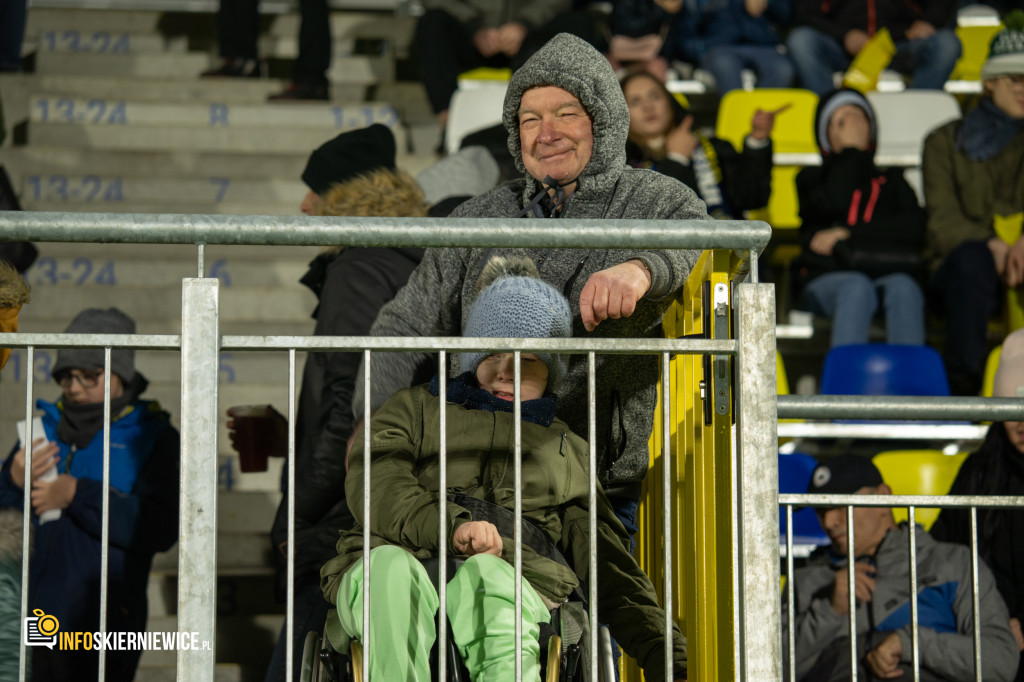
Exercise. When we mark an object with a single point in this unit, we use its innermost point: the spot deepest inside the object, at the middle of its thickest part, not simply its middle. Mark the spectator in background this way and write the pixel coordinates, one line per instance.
(14, 293)
(882, 591)
(862, 230)
(997, 468)
(642, 32)
(12, 33)
(458, 35)
(144, 448)
(974, 191)
(238, 27)
(661, 138)
(830, 34)
(724, 37)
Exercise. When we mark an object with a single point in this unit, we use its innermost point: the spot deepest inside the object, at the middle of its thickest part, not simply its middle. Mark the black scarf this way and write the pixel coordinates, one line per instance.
(986, 131)
(462, 390)
(80, 422)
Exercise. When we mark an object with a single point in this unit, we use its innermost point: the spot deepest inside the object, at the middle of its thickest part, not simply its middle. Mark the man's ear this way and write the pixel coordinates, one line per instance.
(883, 489)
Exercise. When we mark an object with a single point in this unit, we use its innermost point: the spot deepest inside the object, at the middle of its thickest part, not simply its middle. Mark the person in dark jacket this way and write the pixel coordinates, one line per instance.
(643, 33)
(862, 230)
(997, 468)
(661, 138)
(64, 571)
(830, 33)
(973, 172)
(724, 37)
(881, 583)
(404, 508)
(352, 174)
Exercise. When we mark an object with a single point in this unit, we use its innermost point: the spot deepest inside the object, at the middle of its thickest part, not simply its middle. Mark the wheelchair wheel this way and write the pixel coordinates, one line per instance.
(554, 666)
(310, 662)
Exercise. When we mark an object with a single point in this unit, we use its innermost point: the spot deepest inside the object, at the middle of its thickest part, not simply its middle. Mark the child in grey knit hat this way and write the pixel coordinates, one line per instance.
(555, 493)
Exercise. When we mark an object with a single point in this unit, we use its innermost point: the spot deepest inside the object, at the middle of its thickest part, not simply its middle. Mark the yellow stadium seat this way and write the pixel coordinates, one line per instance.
(991, 365)
(486, 73)
(918, 472)
(793, 134)
(975, 41)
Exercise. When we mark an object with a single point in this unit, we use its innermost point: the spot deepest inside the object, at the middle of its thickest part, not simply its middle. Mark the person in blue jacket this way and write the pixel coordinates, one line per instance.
(65, 570)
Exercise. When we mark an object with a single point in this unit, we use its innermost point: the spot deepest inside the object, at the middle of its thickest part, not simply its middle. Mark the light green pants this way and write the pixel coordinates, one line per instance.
(403, 602)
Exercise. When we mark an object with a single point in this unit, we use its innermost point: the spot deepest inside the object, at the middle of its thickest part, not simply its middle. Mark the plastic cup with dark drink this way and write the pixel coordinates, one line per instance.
(257, 432)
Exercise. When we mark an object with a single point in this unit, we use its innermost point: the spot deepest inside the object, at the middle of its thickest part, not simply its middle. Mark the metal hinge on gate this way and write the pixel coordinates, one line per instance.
(720, 383)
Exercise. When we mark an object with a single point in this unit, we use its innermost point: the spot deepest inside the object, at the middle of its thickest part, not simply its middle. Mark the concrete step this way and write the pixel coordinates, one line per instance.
(106, 42)
(323, 116)
(176, 252)
(251, 595)
(142, 64)
(237, 554)
(90, 20)
(346, 25)
(112, 191)
(38, 160)
(186, 208)
(273, 139)
(185, 88)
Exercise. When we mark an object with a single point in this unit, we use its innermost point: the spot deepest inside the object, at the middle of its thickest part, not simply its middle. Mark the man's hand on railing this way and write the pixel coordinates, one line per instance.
(43, 460)
(613, 293)
(477, 537)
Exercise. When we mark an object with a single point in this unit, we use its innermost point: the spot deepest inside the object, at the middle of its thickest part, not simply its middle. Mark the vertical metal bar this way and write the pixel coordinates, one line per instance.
(518, 467)
(753, 267)
(197, 547)
(201, 260)
(975, 597)
(592, 471)
(367, 393)
(666, 492)
(26, 510)
(757, 459)
(442, 523)
(790, 596)
(915, 641)
(290, 599)
(851, 597)
(105, 524)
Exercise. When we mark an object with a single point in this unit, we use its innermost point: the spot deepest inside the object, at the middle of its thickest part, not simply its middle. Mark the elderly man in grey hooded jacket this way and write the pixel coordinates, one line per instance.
(567, 123)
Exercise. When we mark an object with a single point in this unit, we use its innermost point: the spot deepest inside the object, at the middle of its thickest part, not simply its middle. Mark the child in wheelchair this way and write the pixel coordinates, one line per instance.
(404, 509)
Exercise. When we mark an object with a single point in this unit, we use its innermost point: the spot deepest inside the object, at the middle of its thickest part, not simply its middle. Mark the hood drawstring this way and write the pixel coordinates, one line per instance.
(548, 184)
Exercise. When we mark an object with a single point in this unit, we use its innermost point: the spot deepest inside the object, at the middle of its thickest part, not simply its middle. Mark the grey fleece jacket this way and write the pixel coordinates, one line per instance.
(945, 616)
(438, 295)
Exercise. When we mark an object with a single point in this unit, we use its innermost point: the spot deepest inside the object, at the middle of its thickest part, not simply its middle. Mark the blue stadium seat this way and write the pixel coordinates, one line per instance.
(794, 474)
(882, 369)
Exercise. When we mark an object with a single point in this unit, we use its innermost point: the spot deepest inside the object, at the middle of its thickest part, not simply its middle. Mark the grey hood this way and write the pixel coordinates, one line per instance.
(574, 65)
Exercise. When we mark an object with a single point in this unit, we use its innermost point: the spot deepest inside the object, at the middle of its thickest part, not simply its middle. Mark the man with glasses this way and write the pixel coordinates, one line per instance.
(945, 619)
(65, 571)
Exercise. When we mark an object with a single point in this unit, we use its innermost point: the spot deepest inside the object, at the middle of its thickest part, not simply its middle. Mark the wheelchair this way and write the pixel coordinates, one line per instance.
(565, 641)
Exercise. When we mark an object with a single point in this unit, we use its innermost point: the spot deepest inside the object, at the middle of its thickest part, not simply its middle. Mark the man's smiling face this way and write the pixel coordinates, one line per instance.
(556, 134)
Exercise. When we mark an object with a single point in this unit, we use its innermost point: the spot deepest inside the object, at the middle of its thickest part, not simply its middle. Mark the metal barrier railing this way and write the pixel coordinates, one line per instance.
(200, 342)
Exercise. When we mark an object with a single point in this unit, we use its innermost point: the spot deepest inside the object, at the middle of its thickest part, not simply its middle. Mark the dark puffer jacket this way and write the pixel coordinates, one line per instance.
(441, 289)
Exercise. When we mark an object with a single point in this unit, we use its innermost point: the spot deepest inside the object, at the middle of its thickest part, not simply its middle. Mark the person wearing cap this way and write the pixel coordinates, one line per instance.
(353, 174)
(567, 124)
(509, 301)
(64, 571)
(862, 230)
(880, 554)
(974, 193)
(997, 468)
(661, 138)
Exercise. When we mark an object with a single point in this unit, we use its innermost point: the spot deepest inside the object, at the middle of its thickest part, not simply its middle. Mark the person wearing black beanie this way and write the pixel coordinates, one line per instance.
(352, 153)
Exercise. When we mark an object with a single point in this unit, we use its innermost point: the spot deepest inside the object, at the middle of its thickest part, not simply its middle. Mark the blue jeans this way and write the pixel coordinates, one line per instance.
(817, 56)
(725, 62)
(851, 300)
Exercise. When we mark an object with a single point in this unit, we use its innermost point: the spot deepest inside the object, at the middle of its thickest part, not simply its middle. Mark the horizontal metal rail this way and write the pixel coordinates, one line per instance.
(944, 501)
(898, 431)
(124, 228)
(900, 407)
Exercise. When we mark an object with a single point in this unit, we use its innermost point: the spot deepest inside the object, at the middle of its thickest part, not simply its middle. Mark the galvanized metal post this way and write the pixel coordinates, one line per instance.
(758, 479)
(197, 545)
